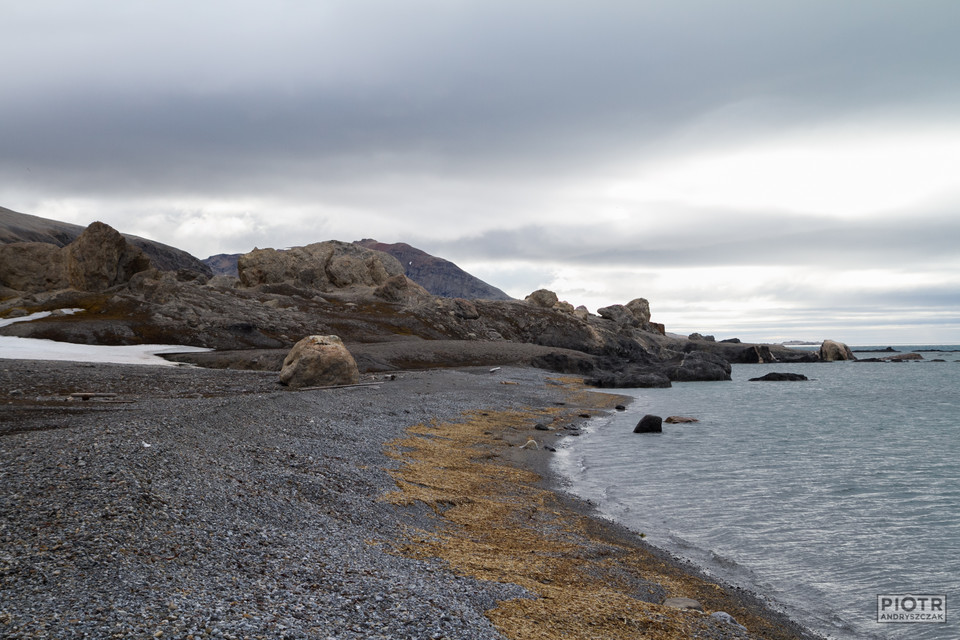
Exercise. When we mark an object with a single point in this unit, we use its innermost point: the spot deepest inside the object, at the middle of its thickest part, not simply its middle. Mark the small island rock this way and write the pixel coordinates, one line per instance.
(649, 424)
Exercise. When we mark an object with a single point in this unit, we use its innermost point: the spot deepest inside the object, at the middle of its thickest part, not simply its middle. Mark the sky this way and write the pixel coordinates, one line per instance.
(761, 169)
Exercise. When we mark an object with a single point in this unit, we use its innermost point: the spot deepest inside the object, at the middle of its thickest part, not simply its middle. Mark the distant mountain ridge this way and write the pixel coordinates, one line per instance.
(438, 276)
(23, 227)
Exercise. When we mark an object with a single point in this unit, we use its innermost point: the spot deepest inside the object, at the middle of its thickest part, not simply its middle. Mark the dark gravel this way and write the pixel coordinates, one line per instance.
(213, 504)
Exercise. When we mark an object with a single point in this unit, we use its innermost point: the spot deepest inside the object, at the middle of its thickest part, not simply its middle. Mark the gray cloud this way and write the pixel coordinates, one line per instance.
(462, 126)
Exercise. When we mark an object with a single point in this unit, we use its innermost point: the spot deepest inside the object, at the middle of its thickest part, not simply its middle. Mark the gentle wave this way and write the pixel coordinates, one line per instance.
(819, 495)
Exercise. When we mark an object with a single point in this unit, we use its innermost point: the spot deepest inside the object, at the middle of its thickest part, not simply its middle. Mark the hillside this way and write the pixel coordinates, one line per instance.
(438, 276)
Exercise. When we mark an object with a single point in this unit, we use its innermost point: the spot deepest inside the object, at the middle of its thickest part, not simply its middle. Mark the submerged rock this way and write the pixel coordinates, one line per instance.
(780, 377)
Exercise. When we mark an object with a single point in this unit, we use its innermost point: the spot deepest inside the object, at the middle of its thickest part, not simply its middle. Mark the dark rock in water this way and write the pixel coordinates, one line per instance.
(649, 424)
(757, 354)
(885, 350)
(904, 357)
(780, 377)
(732, 340)
(680, 420)
(620, 407)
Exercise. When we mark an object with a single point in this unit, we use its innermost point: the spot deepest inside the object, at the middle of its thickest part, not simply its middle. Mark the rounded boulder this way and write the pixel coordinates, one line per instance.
(319, 361)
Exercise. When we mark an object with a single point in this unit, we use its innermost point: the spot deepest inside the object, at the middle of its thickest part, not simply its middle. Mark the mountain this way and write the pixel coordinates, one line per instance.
(22, 227)
(438, 276)
(223, 264)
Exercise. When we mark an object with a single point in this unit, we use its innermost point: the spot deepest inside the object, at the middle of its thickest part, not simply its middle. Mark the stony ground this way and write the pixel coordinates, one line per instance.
(214, 504)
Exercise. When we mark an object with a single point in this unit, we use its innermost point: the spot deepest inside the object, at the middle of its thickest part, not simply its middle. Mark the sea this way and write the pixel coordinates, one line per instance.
(821, 496)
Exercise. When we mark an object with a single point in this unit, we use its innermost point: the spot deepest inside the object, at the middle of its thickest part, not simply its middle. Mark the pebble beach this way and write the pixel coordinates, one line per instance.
(195, 503)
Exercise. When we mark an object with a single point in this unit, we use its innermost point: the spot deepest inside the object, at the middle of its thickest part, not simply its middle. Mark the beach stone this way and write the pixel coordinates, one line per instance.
(723, 616)
(319, 361)
(649, 424)
(831, 350)
(683, 603)
(679, 420)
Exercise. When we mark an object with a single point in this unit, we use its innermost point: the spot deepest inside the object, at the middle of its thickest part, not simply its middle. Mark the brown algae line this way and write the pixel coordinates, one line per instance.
(495, 523)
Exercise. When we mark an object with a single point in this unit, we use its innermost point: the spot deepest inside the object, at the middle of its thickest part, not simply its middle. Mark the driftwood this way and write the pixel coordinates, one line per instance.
(86, 395)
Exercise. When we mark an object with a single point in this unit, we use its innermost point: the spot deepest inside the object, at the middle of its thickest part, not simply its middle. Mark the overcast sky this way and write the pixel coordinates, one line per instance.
(763, 169)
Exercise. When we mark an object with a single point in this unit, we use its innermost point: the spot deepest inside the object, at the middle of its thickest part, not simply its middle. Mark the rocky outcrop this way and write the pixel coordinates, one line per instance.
(697, 366)
(635, 314)
(324, 266)
(21, 227)
(319, 361)
(649, 424)
(98, 259)
(438, 276)
(101, 258)
(543, 298)
(680, 420)
(832, 350)
(400, 288)
(32, 266)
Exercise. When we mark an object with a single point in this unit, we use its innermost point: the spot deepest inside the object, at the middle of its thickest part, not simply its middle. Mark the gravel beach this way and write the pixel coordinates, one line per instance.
(188, 502)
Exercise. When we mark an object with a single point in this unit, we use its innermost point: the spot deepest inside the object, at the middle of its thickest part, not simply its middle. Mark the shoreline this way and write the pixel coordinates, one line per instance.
(202, 502)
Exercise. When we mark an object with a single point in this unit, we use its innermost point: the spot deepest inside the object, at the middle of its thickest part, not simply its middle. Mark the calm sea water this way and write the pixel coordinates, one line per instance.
(819, 495)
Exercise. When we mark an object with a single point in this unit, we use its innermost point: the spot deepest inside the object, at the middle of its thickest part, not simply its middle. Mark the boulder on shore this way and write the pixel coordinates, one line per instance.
(649, 424)
(831, 350)
(319, 361)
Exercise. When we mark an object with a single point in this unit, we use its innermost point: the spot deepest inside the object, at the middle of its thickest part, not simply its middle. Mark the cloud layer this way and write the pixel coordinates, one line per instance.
(773, 169)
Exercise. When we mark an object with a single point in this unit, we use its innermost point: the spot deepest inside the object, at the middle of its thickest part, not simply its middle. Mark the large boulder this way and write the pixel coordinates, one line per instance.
(832, 350)
(326, 266)
(542, 298)
(649, 424)
(319, 361)
(639, 308)
(102, 258)
(98, 259)
(32, 267)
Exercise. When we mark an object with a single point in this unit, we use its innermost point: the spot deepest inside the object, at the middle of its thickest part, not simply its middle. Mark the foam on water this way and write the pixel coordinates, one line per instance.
(818, 495)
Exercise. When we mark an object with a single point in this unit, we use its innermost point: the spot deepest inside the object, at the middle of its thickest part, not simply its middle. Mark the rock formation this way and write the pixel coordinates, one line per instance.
(323, 266)
(832, 350)
(98, 259)
(21, 227)
(319, 361)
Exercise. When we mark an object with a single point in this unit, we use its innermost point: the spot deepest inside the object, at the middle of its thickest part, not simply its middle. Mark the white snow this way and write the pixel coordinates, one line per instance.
(35, 349)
